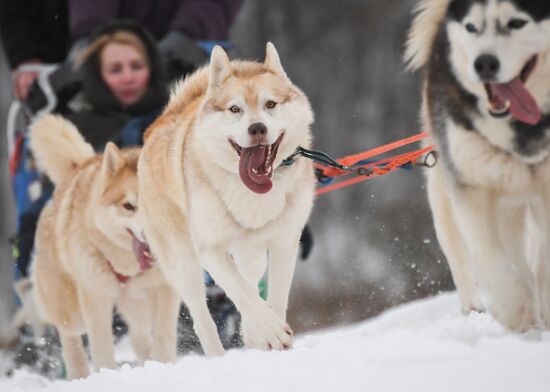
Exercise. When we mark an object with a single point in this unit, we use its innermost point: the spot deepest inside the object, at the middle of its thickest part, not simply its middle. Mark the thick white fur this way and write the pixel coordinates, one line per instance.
(492, 212)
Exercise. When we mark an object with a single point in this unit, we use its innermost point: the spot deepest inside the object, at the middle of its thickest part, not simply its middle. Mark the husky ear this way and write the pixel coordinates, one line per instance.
(219, 68)
(112, 160)
(272, 60)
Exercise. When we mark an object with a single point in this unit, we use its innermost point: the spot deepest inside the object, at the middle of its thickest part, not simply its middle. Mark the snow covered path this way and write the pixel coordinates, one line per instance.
(424, 346)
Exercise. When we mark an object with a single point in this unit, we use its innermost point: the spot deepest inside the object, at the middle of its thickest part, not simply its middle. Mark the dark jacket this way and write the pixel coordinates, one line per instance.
(106, 118)
(200, 19)
(34, 29)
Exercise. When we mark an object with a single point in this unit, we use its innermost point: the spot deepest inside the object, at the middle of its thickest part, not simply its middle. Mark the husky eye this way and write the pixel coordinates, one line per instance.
(516, 24)
(270, 104)
(235, 109)
(470, 28)
(129, 207)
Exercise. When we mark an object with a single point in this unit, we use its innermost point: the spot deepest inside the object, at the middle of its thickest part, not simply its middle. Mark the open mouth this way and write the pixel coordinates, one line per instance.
(514, 98)
(142, 252)
(256, 165)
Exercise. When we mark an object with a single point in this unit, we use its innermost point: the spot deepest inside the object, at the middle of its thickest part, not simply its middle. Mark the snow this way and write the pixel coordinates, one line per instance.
(423, 346)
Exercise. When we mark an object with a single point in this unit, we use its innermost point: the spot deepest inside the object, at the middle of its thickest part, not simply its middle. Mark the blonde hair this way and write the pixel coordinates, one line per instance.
(122, 37)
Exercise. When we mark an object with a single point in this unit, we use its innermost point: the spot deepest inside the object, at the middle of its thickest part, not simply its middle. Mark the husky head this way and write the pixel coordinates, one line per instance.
(115, 206)
(252, 118)
(498, 50)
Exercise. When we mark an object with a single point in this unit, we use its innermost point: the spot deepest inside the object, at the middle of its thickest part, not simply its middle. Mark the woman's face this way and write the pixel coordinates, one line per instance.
(125, 71)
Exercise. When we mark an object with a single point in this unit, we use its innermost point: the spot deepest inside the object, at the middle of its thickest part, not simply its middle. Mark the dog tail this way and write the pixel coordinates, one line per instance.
(429, 17)
(58, 147)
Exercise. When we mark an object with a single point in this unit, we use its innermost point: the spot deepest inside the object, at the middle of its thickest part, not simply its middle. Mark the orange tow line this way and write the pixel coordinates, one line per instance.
(363, 168)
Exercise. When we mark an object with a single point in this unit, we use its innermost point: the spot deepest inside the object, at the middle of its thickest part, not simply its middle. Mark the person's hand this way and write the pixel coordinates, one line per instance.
(22, 81)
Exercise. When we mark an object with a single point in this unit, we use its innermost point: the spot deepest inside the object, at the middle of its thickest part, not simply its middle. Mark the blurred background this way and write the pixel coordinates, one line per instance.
(374, 243)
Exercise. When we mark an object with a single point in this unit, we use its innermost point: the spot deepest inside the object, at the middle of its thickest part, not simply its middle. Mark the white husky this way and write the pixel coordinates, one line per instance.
(487, 104)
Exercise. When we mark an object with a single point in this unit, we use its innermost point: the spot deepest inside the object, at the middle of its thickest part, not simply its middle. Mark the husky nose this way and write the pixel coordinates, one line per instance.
(257, 132)
(487, 67)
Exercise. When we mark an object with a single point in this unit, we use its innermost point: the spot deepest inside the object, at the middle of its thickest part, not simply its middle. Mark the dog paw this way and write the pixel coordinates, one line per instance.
(544, 314)
(267, 334)
(467, 309)
(519, 318)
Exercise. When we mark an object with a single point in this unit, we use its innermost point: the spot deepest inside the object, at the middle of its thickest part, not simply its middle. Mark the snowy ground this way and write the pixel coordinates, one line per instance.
(424, 346)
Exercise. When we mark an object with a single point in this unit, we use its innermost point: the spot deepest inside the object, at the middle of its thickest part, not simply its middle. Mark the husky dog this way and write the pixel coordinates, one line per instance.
(88, 254)
(486, 102)
(214, 195)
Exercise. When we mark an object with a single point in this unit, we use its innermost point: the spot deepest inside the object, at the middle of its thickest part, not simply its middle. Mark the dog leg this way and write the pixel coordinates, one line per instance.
(74, 356)
(272, 330)
(190, 281)
(138, 313)
(542, 274)
(252, 265)
(98, 318)
(282, 261)
(452, 243)
(540, 215)
(520, 244)
(187, 278)
(176, 259)
(505, 282)
(165, 325)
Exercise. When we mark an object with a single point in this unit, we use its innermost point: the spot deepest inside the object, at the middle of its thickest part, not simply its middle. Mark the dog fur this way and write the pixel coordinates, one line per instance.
(198, 213)
(83, 237)
(490, 195)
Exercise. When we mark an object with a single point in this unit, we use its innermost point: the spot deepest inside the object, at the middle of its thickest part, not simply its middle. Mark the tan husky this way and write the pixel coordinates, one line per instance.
(85, 263)
(213, 193)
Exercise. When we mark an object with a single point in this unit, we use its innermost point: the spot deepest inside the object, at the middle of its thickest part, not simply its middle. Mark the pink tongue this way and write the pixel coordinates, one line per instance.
(523, 106)
(139, 248)
(254, 158)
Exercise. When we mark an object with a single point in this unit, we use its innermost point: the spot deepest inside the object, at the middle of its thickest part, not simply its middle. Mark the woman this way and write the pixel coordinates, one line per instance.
(123, 85)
